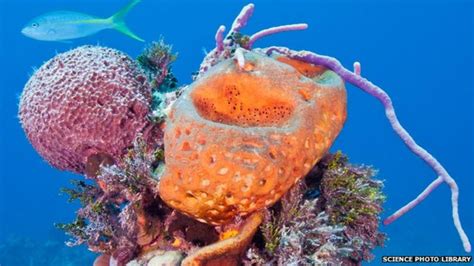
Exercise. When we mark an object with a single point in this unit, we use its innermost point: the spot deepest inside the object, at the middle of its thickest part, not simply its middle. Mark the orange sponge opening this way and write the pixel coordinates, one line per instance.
(242, 100)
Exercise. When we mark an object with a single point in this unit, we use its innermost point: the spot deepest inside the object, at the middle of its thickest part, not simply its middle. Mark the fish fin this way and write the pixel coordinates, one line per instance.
(118, 20)
(125, 30)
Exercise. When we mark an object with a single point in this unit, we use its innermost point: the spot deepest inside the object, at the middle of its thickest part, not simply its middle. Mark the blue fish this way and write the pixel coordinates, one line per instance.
(69, 25)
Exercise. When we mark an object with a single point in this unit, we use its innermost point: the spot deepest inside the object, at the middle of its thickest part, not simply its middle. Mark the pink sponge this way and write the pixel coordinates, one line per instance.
(86, 103)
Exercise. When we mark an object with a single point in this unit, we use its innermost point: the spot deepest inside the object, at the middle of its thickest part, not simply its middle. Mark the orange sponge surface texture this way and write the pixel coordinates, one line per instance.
(240, 136)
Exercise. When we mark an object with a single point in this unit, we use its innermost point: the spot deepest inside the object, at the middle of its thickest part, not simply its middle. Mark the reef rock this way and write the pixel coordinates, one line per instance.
(158, 258)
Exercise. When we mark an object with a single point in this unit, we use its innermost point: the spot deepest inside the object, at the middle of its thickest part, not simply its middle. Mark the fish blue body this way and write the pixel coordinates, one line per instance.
(69, 25)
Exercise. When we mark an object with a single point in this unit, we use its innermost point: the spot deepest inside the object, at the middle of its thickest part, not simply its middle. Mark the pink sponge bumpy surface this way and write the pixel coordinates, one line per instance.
(88, 101)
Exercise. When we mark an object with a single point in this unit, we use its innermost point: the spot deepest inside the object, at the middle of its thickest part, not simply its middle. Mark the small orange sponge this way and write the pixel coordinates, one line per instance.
(240, 136)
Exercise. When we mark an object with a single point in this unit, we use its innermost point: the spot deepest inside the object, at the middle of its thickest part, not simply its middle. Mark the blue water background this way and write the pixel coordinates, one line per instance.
(420, 52)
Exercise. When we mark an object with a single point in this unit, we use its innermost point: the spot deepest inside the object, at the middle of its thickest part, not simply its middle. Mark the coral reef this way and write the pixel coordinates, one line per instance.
(330, 216)
(233, 168)
(84, 104)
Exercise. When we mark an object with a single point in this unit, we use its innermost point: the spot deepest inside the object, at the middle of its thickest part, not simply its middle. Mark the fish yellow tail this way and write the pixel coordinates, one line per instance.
(118, 22)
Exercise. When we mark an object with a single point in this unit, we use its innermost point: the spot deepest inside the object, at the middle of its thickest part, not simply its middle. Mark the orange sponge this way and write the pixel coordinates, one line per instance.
(240, 136)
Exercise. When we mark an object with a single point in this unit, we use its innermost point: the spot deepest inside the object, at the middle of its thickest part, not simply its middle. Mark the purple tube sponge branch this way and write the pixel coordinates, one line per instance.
(355, 79)
(220, 38)
(357, 68)
(242, 19)
(273, 30)
(226, 47)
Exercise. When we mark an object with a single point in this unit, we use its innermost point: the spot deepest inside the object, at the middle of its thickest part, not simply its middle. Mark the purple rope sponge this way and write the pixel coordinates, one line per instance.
(367, 86)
